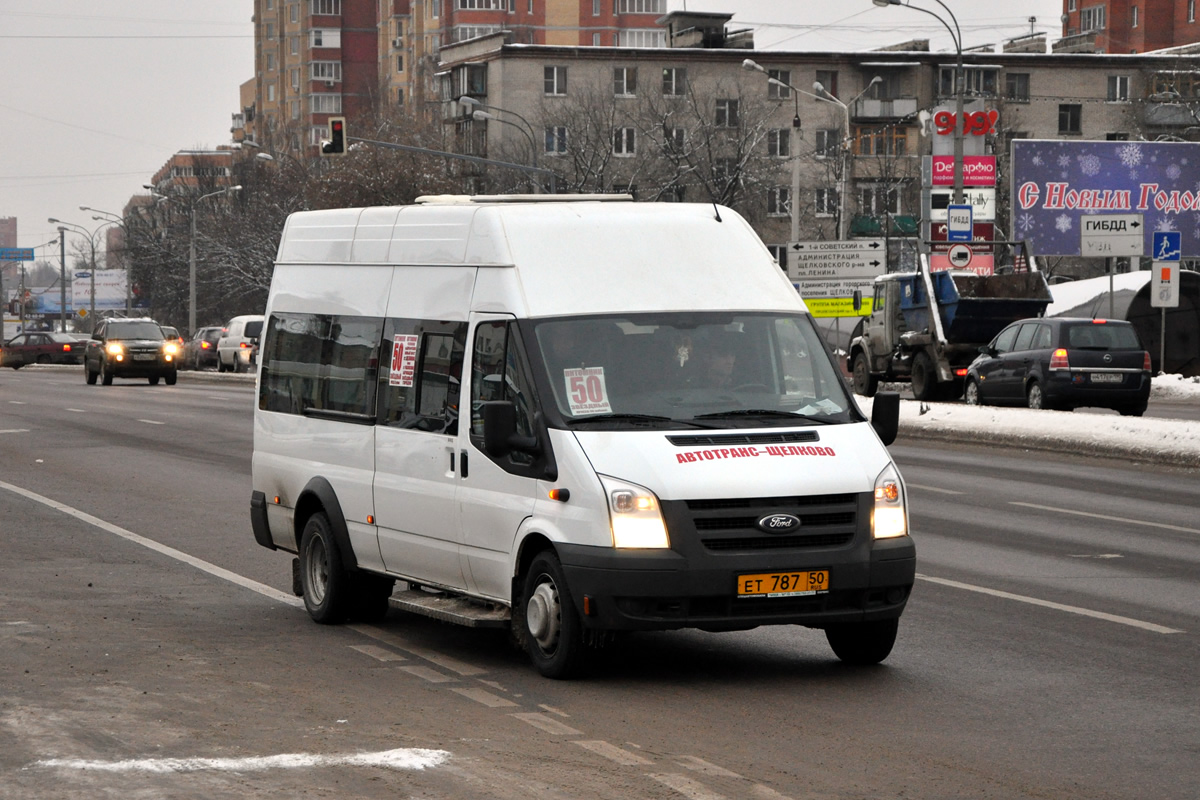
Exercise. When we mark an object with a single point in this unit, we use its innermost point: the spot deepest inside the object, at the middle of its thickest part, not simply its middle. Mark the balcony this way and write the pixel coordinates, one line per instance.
(1076, 43)
(894, 108)
(1170, 115)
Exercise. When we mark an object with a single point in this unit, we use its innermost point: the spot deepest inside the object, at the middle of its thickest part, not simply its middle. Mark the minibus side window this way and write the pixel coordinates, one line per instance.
(320, 362)
(500, 371)
(419, 379)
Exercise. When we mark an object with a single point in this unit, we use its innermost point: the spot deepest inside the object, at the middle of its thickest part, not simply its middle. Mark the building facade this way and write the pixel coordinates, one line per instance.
(1127, 26)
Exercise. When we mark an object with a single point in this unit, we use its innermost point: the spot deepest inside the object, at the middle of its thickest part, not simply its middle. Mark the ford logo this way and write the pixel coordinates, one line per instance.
(778, 523)
(1108, 358)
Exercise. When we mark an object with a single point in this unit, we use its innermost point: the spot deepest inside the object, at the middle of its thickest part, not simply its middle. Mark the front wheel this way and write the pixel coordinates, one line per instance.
(326, 585)
(106, 376)
(553, 632)
(865, 383)
(171, 377)
(971, 393)
(924, 378)
(863, 643)
(89, 375)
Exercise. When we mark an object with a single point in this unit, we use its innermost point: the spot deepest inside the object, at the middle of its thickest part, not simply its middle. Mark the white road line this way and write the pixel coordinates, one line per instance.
(152, 422)
(547, 724)
(403, 758)
(483, 697)
(377, 653)
(1086, 612)
(428, 674)
(150, 544)
(1107, 517)
(15, 430)
(700, 765)
(613, 753)
(693, 790)
(432, 656)
(17, 402)
(937, 489)
(78, 410)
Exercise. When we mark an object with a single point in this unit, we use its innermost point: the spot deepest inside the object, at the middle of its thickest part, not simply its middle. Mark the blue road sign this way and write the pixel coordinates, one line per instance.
(1167, 245)
(16, 254)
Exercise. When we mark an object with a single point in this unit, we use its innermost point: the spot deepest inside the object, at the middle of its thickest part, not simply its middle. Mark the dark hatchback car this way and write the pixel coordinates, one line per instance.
(129, 348)
(201, 350)
(1063, 363)
(41, 348)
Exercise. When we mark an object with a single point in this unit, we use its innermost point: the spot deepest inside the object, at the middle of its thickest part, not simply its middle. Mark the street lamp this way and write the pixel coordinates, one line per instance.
(959, 122)
(101, 215)
(91, 237)
(751, 66)
(483, 112)
(823, 94)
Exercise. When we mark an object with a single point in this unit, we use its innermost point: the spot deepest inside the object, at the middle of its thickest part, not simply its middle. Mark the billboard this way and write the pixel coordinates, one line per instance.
(1055, 182)
(110, 289)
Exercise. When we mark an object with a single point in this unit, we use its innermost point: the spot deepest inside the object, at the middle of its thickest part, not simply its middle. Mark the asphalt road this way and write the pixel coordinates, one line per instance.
(151, 649)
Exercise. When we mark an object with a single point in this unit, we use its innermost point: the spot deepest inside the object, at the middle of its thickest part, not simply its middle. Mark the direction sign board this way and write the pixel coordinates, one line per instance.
(1111, 235)
(828, 273)
(16, 254)
(959, 223)
(1164, 284)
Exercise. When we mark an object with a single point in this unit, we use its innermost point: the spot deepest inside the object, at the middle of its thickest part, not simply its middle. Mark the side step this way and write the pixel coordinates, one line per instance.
(451, 608)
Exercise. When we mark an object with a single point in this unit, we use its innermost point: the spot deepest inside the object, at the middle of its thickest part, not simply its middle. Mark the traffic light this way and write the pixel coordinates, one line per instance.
(336, 146)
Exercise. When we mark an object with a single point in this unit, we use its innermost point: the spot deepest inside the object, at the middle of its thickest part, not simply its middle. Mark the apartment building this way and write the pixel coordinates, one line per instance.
(1127, 26)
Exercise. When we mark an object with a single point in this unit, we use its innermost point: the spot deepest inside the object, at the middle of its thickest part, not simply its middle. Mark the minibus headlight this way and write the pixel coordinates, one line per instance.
(889, 518)
(635, 515)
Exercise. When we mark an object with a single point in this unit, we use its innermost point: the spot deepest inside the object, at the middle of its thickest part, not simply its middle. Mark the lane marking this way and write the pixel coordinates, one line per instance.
(1096, 555)
(1086, 612)
(706, 767)
(78, 410)
(1106, 517)
(547, 724)
(17, 402)
(402, 758)
(693, 790)
(428, 674)
(432, 656)
(150, 544)
(553, 710)
(937, 489)
(152, 422)
(377, 653)
(15, 430)
(613, 753)
(483, 697)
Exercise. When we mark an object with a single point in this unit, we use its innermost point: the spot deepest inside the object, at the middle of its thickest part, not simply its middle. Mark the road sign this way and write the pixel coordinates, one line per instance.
(852, 258)
(16, 254)
(1167, 245)
(1112, 235)
(1164, 284)
(959, 255)
(959, 223)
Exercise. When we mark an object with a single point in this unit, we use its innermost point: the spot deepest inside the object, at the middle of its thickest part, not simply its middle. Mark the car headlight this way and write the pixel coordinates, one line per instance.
(889, 519)
(170, 348)
(635, 515)
(114, 349)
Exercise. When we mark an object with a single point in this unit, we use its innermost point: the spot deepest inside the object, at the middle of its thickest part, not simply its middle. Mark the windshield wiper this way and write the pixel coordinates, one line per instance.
(765, 412)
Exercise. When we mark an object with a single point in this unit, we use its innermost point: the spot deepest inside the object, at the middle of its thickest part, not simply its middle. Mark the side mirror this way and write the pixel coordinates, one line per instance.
(885, 416)
(987, 350)
(500, 430)
(857, 300)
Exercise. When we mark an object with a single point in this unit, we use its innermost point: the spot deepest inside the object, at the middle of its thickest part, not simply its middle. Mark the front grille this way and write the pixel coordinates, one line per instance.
(728, 525)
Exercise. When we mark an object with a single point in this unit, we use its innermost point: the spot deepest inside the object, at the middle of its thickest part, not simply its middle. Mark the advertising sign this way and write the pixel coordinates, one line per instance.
(110, 289)
(979, 263)
(1055, 183)
(977, 170)
(982, 201)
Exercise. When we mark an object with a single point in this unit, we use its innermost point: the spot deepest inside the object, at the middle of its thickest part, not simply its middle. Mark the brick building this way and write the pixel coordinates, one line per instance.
(1127, 26)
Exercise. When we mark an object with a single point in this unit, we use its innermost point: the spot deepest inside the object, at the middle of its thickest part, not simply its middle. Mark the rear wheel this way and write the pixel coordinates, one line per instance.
(1034, 396)
(863, 643)
(924, 378)
(89, 375)
(553, 633)
(865, 383)
(326, 591)
(153, 380)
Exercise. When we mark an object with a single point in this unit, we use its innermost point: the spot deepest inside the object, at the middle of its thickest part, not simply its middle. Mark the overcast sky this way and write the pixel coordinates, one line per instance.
(100, 93)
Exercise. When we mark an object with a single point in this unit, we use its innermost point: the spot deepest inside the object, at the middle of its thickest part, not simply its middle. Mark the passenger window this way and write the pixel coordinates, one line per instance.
(1004, 342)
(320, 362)
(420, 377)
(500, 371)
(1041, 340)
(1025, 337)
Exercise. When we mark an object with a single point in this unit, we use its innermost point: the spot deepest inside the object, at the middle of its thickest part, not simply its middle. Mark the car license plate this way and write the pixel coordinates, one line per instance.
(144, 356)
(1107, 377)
(783, 584)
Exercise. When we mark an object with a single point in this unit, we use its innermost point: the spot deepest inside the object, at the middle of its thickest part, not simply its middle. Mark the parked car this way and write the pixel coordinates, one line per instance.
(41, 348)
(1063, 363)
(129, 348)
(237, 347)
(201, 350)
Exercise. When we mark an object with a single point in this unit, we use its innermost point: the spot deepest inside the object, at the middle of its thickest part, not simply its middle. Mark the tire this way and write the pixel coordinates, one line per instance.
(43, 359)
(16, 365)
(327, 594)
(1034, 397)
(971, 393)
(106, 376)
(371, 593)
(552, 631)
(220, 364)
(171, 377)
(863, 643)
(924, 378)
(1132, 410)
(153, 379)
(865, 383)
(88, 375)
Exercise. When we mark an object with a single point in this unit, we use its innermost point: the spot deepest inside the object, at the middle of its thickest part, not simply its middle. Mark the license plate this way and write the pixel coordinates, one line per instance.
(1107, 377)
(783, 584)
(144, 356)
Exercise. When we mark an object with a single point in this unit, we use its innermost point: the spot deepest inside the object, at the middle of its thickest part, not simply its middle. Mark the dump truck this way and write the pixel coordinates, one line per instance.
(926, 327)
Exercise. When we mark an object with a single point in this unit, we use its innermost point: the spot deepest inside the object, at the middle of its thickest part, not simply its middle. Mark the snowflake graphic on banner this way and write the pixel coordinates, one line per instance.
(1025, 222)
(1063, 222)
(1089, 164)
(1064, 161)
(1164, 224)
(1130, 154)
(1173, 172)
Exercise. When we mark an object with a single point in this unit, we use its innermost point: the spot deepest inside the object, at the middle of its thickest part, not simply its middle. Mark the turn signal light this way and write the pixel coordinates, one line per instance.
(1058, 359)
(1146, 360)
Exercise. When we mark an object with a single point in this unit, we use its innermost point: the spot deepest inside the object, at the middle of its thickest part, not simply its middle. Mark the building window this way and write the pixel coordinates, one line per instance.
(1120, 136)
(294, 109)
(400, 63)
(295, 79)
(482, 5)
(674, 81)
(556, 140)
(879, 200)
(774, 90)
(827, 142)
(329, 7)
(399, 97)
(779, 142)
(779, 201)
(1070, 118)
(635, 37)
(1133, 17)
(1091, 19)
(295, 42)
(675, 139)
(1118, 88)
(976, 82)
(555, 80)
(641, 6)
(779, 253)
(326, 71)
(270, 62)
(727, 114)
(1016, 86)
(294, 13)
(624, 81)
(271, 92)
(270, 30)
(825, 201)
(595, 40)
(1191, 11)
(462, 33)
(326, 103)
(595, 8)
(624, 142)
(325, 37)
(889, 141)
(828, 81)
(1070, 5)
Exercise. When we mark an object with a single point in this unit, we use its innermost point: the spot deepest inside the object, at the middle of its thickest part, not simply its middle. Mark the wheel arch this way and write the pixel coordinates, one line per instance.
(317, 496)
(532, 544)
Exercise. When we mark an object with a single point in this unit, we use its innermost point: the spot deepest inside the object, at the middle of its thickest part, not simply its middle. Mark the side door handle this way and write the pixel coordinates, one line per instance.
(462, 464)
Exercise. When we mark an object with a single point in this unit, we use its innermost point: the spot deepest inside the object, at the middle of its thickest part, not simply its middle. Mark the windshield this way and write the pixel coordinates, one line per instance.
(690, 370)
(134, 330)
